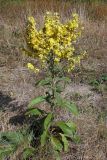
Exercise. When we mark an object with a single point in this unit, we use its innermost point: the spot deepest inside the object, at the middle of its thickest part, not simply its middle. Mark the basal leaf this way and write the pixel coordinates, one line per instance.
(48, 121)
(65, 142)
(36, 101)
(44, 138)
(65, 128)
(56, 144)
(72, 126)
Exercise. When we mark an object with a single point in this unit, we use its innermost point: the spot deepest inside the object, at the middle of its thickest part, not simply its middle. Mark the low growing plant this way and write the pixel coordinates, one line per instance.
(54, 48)
(99, 84)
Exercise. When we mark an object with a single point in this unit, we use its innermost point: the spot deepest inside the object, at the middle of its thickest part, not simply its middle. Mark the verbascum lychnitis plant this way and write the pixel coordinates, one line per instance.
(53, 46)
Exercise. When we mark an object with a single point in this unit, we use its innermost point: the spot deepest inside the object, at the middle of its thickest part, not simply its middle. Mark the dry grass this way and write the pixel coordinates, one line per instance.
(17, 84)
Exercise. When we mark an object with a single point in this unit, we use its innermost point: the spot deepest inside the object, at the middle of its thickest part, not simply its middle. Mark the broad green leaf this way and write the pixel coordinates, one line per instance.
(65, 128)
(66, 104)
(65, 142)
(34, 112)
(72, 108)
(28, 152)
(76, 138)
(44, 138)
(45, 81)
(59, 100)
(65, 79)
(48, 121)
(60, 86)
(72, 126)
(56, 144)
(36, 101)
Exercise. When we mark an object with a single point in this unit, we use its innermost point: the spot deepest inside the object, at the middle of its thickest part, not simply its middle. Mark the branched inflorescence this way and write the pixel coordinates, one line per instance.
(55, 38)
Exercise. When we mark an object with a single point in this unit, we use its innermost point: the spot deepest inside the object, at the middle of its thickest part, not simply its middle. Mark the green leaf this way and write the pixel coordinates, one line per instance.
(34, 112)
(65, 79)
(66, 104)
(28, 152)
(9, 142)
(46, 81)
(6, 151)
(44, 138)
(94, 83)
(12, 137)
(65, 142)
(48, 121)
(104, 77)
(72, 108)
(57, 155)
(56, 144)
(76, 138)
(59, 88)
(59, 100)
(36, 101)
(72, 126)
(65, 128)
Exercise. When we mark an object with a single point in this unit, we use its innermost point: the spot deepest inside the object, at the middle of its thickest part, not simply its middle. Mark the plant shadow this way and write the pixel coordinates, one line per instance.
(4, 101)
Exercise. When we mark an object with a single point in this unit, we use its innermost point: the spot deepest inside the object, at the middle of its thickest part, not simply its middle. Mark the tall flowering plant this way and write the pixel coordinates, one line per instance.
(53, 47)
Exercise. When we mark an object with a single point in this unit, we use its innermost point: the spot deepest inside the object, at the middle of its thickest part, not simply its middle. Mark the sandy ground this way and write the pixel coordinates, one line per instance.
(17, 88)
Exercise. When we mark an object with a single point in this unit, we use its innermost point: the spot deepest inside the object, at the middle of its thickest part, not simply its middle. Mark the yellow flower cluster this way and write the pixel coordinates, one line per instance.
(55, 38)
(31, 67)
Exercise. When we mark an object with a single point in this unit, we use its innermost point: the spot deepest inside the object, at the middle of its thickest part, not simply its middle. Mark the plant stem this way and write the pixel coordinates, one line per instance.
(52, 72)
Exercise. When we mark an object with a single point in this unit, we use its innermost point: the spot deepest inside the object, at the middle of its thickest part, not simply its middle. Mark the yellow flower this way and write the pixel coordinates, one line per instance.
(31, 67)
(55, 38)
(36, 70)
(56, 60)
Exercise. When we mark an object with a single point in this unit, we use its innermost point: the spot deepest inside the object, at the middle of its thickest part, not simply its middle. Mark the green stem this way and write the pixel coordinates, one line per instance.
(52, 72)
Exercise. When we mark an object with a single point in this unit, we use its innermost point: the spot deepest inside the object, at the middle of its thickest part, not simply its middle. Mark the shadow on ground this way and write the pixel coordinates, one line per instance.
(4, 101)
(18, 119)
(7, 103)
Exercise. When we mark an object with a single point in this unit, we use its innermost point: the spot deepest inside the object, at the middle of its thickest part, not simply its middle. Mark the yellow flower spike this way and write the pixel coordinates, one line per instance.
(56, 37)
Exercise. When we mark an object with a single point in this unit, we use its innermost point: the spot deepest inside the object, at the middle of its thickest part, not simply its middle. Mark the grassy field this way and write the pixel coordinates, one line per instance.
(89, 82)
